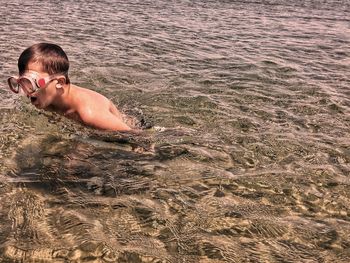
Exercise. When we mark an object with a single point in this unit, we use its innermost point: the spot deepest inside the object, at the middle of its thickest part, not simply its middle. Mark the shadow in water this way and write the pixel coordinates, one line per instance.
(61, 190)
(161, 197)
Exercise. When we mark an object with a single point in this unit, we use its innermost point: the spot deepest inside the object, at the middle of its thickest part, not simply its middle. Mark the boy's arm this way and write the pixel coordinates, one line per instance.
(103, 121)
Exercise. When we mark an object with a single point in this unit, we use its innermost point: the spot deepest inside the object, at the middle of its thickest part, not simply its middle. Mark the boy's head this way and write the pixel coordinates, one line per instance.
(43, 75)
(50, 57)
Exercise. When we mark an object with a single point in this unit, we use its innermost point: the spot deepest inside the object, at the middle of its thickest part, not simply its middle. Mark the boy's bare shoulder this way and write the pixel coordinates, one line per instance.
(96, 110)
(88, 93)
(89, 99)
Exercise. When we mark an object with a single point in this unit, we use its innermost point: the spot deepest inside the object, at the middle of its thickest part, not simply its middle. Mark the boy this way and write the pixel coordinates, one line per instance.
(43, 77)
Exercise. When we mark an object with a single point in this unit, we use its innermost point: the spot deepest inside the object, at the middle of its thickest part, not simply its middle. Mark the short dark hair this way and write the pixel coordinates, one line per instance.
(51, 57)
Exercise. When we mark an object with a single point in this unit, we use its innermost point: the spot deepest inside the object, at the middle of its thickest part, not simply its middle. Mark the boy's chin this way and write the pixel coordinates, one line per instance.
(38, 105)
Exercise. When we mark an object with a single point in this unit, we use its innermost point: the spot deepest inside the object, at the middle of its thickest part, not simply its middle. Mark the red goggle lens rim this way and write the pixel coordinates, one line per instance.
(26, 84)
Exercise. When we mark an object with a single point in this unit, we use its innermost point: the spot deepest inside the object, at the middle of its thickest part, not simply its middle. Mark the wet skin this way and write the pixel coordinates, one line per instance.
(80, 104)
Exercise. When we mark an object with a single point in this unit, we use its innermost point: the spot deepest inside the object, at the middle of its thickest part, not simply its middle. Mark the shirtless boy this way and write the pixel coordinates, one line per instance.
(43, 77)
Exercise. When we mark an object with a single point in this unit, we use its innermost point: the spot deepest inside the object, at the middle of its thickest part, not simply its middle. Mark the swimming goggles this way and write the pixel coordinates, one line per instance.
(30, 82)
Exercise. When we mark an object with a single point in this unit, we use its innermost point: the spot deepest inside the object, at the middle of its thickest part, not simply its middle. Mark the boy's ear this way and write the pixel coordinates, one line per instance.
(60, 82)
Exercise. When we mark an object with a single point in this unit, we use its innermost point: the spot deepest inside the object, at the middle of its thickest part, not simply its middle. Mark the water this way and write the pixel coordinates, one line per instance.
(250, 158)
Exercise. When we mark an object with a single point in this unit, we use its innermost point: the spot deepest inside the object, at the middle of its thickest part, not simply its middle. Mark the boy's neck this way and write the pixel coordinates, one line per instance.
(64, 102)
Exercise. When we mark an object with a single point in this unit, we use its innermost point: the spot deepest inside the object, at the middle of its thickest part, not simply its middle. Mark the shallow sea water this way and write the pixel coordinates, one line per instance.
(249, 157)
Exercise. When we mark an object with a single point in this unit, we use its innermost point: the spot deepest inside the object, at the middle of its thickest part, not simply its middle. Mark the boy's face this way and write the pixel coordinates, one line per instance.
(43, 97)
